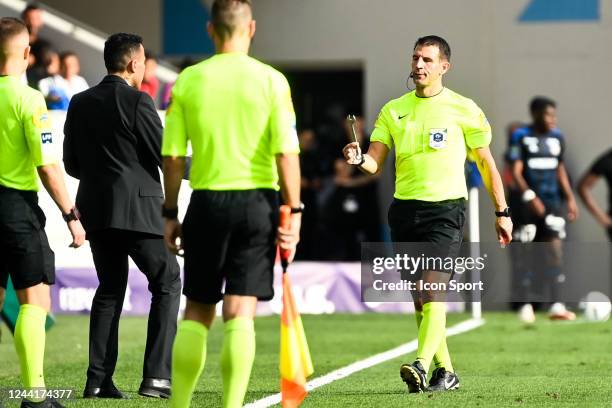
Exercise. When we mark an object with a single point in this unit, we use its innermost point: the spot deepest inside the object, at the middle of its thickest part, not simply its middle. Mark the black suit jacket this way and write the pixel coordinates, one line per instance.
(113, 146)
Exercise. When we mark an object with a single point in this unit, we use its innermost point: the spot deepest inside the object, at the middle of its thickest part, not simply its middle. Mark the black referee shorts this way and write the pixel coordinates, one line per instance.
(25, 253)
(437, 226)
(229, 237)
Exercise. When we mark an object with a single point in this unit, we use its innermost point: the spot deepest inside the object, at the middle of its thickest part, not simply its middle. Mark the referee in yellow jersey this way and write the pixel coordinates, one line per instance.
(238, 116)
(28, 147)
(432, 130)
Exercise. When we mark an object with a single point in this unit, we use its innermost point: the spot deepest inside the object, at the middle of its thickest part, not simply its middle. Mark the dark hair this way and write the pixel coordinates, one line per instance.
(539, 103)
(67, 54)
(29, 7)
(224, 16)
(46, 56)
(445, 51)
(150, 55)
(10, 27)
(118, 50)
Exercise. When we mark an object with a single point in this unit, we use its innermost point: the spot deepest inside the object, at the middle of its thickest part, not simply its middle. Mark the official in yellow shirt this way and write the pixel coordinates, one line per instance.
(238, 116)
(432, 129)
(28, 151)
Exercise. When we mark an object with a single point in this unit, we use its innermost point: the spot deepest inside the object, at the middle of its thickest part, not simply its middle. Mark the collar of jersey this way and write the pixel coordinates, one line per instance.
(425, 98)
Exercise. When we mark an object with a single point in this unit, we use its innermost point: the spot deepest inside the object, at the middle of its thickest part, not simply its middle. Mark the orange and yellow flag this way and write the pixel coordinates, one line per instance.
(295, 361)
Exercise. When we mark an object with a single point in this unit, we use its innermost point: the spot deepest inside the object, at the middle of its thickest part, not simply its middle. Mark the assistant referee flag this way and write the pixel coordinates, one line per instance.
(295, 361)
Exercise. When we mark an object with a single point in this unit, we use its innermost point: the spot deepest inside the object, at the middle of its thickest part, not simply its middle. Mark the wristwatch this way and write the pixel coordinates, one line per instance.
(296, 210)
(170, 213)
(73, 215)
(505, 213)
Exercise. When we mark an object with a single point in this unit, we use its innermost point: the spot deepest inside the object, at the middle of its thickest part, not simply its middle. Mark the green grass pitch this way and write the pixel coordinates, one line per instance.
(502, 364)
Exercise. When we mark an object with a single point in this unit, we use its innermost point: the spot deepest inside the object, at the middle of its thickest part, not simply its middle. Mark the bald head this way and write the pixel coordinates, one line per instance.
(14, 42)
(230, 17)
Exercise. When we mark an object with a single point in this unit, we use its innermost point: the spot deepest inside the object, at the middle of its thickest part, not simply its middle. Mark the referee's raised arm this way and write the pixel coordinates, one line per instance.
(238, 117)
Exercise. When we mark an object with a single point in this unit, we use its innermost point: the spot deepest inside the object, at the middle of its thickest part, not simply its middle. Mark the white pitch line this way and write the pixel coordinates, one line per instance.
(360, 365)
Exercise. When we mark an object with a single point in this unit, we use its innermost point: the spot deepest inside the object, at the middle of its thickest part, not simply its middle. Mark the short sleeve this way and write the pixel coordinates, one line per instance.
(514, 146)
(174, 142)
(476, 127)
(562, 145)
(283, 135)
(381, 132)
(38, 131)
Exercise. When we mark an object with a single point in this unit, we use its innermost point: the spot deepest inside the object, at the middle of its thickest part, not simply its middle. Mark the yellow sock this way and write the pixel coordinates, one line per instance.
(237, 355)
(188, 358)
(30, 345)
(431, 332)
(442, 357)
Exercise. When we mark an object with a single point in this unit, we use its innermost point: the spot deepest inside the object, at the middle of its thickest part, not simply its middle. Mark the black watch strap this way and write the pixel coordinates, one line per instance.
(505, 213)
(73, 215)
(170, 213)
(296, 210)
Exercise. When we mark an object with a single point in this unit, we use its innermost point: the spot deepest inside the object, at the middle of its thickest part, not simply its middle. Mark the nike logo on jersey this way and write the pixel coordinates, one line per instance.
(402, 117)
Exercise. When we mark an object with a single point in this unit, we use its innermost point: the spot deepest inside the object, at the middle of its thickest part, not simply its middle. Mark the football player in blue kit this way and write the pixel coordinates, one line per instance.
(536, 153)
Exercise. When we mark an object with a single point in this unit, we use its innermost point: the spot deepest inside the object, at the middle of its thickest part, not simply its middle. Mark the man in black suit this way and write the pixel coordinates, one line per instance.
(112, 145)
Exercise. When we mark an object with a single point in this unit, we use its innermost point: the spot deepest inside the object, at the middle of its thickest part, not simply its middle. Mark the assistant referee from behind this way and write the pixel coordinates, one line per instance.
(28, 149)
(238, 115)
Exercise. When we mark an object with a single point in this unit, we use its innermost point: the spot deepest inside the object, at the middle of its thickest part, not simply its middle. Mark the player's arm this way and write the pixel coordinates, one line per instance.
(528, 195)
(517, 174)
(566, 187)
(585, 187)
(493, 183)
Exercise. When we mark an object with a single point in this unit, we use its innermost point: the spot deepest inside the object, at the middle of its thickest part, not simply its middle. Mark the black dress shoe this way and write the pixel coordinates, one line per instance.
(106, 391)
(155, 387)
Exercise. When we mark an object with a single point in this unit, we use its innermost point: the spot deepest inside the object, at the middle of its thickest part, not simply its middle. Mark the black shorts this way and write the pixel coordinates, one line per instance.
(437, 225)
(25, 254)
(229, 236)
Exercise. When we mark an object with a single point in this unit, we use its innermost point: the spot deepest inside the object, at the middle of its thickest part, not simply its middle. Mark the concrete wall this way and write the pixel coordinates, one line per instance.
(112, 16)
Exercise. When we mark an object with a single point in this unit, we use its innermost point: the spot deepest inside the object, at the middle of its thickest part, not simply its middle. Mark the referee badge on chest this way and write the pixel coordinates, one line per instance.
(438, 138)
